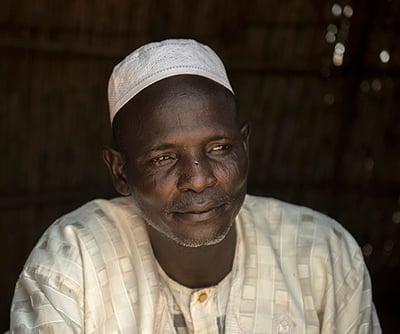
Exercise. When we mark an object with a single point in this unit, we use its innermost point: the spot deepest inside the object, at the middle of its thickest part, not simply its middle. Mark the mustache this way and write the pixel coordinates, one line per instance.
(191, 199)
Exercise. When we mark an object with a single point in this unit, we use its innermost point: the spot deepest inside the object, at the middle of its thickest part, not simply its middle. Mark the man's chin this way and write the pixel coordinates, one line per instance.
(204, 240)
(197, 243)
(196, 236)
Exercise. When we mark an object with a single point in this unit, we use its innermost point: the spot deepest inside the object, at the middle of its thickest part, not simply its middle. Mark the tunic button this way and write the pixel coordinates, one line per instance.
(202, 297)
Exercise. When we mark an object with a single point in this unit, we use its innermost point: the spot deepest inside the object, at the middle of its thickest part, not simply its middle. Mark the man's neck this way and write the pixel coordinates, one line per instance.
(194, 267)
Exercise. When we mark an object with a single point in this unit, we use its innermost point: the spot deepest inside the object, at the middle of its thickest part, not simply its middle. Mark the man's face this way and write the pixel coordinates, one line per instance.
(187, 158)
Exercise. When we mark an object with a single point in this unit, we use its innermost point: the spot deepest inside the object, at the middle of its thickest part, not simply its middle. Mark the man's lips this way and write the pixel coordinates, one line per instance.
(199, 212)
(199, 208)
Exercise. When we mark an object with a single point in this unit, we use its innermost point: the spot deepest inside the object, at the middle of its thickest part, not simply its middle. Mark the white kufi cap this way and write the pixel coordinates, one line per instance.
(159, 60)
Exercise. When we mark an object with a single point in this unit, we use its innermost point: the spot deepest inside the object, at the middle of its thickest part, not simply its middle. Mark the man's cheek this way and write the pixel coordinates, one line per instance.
(154, 192)
(230, 172)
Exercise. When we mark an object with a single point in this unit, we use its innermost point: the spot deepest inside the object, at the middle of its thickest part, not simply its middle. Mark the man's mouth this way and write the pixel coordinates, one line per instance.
(199, 212)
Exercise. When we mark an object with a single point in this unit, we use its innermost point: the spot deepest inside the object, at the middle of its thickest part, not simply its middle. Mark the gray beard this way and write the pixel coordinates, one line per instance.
(193, 243)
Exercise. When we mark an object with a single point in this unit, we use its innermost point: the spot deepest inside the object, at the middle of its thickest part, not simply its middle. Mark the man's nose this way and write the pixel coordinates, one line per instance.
(196, 175)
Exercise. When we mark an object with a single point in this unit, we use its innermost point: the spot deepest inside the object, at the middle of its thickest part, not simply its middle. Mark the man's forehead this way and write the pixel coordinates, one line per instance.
(181, 91)
(182, 86)
(180, 106)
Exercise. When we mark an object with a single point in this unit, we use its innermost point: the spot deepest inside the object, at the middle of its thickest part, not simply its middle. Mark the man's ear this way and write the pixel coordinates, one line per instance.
(245, 131)
(116, 166)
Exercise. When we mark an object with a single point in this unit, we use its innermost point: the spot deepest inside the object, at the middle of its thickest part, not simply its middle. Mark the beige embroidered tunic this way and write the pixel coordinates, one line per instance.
(296, 271)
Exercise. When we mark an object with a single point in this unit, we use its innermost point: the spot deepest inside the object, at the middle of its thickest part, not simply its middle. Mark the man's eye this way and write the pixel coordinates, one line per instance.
(163, 159)
(220, 147)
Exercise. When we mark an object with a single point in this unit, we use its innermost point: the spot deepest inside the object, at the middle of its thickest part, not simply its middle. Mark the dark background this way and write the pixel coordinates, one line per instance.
(311, 75)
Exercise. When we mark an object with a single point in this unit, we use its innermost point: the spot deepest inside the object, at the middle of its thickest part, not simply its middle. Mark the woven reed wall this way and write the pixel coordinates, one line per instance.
(325, 136)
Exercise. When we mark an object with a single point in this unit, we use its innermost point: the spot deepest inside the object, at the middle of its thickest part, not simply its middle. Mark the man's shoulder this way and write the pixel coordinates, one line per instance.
(106, 214)
(275, 216)
(97, 226)
(98, 208)
(274, 209)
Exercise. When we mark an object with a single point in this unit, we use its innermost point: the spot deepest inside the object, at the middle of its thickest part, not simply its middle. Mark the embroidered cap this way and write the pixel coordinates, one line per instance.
(159, 60)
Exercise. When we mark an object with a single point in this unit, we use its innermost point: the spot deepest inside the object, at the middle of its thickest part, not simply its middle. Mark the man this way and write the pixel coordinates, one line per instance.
(185, 250)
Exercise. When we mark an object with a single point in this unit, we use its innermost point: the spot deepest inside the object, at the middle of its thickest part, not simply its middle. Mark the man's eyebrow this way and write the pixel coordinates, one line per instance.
(219, 137)
(161, 147)
(167, 146)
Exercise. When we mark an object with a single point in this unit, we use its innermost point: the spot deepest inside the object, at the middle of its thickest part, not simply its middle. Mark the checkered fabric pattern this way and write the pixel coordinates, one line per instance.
(295, 272)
